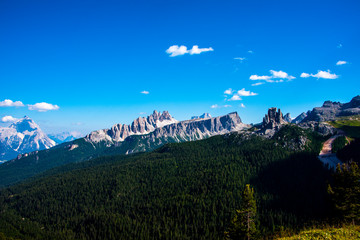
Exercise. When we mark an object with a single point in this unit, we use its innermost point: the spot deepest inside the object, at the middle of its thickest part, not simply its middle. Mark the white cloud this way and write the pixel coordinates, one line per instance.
(177, 50)
(274, 75)
(145, 92)
(229, 91)
(257, 84)
(142, 113)
(341, 63)
(245, 93)
(256, 77)
(339, 46)
(250, 51)
(321, 74)
(10, 103)
(242, 105)
(235, 98)
(6, 119)
(215, 106)
(305, 75)
(227, 106)
(43, 107)
(240, 58)
(281, 74)
(196, 50)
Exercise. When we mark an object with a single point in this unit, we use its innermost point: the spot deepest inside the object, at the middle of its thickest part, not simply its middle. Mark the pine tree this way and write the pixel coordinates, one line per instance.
(243, 224)
(345, 192)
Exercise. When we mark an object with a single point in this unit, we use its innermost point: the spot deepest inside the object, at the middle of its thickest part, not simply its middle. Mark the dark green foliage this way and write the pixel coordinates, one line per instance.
(180, 191)
(350, 152)
(345, 192)
(243, 225)
(339, 143)
(15, 171)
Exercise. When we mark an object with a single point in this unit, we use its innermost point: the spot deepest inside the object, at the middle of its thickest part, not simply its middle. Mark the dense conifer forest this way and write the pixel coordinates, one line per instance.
(180, 191)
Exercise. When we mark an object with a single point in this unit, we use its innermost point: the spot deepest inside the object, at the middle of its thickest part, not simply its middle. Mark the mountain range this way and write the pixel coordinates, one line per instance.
(148, 133)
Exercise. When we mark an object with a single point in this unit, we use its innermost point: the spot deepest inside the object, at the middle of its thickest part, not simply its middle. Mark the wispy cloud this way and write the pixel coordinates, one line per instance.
(257, 77)
(257, 84)
(241, 59)
(145, 92)
(250, 51)
(43, 107)
(6, 119)
(177, 50)
(320, 74)
(341, 63)
(10, 103)
(242, 105)
(340, 45)
(218, 106)
(279, 76)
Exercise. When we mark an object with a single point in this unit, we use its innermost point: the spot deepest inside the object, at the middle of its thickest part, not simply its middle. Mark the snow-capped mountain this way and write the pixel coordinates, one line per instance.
(22, 136)
(140, 126)
(64, 137)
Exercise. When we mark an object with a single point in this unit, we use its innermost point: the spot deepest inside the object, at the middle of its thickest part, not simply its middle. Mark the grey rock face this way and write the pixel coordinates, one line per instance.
(203, 116)
(153, 135)
(331, 110)
(119, 132)
(272, 122)
(194, 130)
(299, 118)
(320, 127)
(287, 118)
(273, 119)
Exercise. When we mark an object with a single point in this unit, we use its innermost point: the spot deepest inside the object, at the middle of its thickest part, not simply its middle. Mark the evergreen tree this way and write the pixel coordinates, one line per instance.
(243, 225)
(345, 192)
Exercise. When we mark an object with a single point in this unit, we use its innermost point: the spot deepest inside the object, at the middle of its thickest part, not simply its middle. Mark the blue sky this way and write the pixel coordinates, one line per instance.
(82, 65)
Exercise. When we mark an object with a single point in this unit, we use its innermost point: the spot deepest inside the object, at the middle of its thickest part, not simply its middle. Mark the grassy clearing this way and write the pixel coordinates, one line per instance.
(350, 125)
(347, 232)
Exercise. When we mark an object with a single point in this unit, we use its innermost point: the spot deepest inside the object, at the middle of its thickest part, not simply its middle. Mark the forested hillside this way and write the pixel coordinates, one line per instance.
(180, 191)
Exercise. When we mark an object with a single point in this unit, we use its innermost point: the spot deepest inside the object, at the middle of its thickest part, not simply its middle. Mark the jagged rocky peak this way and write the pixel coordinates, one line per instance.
(330, 104)
(24, 124)
(354, 103)
(331, 110)
(272, 122)
(203, 116)
(287, 118)
(139, 126)
(22, 136)
(299, 118)
(273, 118)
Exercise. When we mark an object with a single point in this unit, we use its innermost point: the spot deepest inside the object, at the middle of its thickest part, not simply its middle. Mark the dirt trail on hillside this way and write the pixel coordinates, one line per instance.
(326, 156)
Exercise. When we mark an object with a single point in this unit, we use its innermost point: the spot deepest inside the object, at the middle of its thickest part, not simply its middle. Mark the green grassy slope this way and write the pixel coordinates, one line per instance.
(330, 233)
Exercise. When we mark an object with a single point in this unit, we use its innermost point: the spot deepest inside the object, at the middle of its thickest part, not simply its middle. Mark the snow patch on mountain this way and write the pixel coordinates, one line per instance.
(22, 136)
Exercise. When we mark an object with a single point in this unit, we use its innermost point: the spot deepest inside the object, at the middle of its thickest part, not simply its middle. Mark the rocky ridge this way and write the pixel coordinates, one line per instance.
(140, 126)
(329, 111)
